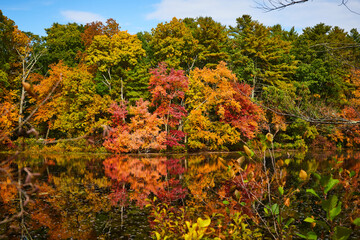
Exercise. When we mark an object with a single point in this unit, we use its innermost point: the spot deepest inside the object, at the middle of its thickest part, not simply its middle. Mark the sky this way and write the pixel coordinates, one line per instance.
(143, 15)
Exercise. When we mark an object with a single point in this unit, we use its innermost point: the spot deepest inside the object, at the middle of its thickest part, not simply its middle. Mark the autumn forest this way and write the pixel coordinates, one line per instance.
(239, 120)
(189, 84)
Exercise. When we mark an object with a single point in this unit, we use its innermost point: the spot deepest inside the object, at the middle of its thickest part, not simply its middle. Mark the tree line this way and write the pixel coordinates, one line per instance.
(190, 84)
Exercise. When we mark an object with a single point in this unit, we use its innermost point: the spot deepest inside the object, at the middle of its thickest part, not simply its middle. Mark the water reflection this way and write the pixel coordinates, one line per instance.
(102, 197)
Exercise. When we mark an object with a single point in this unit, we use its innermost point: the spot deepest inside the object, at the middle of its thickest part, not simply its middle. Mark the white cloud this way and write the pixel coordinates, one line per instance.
(82, 17)
(226, 11)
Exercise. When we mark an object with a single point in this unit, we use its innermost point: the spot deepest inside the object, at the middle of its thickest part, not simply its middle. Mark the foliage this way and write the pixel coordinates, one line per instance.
(260, 57)
(212, 41)
(168, 94)
(173, 43)
(220, 110)
(74, 107)
(141, 134)
(63, 43)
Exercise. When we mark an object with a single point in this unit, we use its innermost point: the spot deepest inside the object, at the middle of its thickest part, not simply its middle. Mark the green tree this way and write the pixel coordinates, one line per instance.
(260, 57)
(63, 42)
(325, 57)
(212, 40)
(115, 56)
(174, 44)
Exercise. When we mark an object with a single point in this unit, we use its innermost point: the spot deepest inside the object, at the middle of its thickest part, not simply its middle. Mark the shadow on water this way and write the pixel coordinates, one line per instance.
(105, 197)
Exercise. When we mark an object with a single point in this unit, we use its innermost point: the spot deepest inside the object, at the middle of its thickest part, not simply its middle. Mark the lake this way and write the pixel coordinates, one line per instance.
(213, 195)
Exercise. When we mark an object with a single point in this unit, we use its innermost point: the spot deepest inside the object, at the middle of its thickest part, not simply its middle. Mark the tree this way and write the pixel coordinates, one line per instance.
(212, 40)
(168, 88)
(174, 44)
(74, 109)
(115, 56)
(63, 42)
(326, 55)
(260, 57)
(141, 134)
(8, 56)
(220, 110)
(98, 28)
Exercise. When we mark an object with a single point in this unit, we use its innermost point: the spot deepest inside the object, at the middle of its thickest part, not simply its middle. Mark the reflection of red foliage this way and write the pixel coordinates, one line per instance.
(119, 196)
(247, 186)
(174, 167)
(174, 191)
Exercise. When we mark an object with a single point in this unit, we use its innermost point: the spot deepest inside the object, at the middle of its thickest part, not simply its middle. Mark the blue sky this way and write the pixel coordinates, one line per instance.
(143, 15)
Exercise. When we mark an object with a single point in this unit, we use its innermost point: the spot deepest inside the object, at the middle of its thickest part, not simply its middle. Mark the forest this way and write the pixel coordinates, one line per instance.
(188, 85)
(243, 117)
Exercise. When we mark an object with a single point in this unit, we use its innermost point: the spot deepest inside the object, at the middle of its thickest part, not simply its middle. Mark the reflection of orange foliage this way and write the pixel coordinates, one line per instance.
(202, 175)
(8, 192)
(143, 174)
(69, 209)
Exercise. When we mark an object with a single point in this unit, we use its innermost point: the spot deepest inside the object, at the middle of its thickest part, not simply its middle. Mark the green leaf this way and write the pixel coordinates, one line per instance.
(329, 203)
(226, 202)
(318, 176)
(312, 191)
(342, 233)
(352, 173)
(281, 190)
(357, 222)
(275, 209)
(266, 210)
(287, 161)
(309, 220)
(300, 235)
(237, 194)
(331, 183)
(311, 235)
(335, 211)
(289, 222)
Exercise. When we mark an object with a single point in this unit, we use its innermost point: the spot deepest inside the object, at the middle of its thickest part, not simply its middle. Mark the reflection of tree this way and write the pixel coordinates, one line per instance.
(64, 207)
(202, 173)
(141, 177)
(69, 209)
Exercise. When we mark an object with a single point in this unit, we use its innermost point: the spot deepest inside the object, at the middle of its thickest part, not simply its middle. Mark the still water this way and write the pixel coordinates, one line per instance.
(107, 197)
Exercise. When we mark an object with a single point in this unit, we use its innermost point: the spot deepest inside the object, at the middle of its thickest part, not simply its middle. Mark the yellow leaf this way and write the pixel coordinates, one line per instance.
(287, 202)
(248, 151)
(269, 137)
(303, 175)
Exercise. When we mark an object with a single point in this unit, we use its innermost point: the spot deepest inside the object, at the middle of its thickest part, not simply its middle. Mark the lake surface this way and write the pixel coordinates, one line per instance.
(109, 197)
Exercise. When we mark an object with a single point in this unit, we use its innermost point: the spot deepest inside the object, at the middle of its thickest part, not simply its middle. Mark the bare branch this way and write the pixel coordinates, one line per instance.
(344, 3)
(271, 5)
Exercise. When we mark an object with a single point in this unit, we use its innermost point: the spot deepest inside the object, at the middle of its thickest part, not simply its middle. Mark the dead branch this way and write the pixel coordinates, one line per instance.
(271, 5)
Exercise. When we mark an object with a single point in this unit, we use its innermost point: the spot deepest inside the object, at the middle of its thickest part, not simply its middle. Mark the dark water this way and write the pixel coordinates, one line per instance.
(104, 197)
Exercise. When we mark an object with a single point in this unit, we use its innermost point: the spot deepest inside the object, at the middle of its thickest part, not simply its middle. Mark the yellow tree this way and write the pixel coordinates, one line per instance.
(221, 112)
(74, 108)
